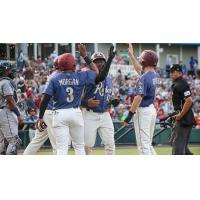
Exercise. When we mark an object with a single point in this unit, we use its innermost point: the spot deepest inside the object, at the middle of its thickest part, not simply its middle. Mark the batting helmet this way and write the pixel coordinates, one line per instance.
(55, 63)
(66, 61)
(98, 55)
(6, 65)
(148, 58)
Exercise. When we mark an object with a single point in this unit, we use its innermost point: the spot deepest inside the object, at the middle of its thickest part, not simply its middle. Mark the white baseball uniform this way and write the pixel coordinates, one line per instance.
(102, 123)
(144, 123)
(145, 117)
(41, 137)
(65, 123)
(98, 119)
(66, 90)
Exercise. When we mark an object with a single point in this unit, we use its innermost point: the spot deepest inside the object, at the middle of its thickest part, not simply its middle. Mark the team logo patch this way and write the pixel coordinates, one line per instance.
(140, 87)
(187, 93)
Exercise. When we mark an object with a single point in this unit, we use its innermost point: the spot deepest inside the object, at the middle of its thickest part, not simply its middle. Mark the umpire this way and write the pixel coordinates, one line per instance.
(182, 102)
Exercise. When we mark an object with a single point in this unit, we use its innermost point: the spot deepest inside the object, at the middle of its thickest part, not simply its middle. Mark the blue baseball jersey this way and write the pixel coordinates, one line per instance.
(66, 88)
(101, 92)
(50, 105)
(146, 87)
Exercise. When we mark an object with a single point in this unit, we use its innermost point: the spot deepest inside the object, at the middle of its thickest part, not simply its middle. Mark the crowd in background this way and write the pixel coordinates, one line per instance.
(32, 75)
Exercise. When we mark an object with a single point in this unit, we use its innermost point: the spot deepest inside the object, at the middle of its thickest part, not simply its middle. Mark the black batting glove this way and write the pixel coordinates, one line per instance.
(115, 102)
(112, 53)
(129, 117)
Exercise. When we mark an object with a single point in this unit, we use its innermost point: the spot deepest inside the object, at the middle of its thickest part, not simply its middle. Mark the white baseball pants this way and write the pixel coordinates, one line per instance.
(68, 122)
(101, 123)
(144, 123)
(41, 137)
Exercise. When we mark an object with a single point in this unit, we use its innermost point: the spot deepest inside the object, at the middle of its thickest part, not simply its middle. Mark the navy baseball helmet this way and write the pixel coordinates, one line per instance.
(6, 65)
(175, 67)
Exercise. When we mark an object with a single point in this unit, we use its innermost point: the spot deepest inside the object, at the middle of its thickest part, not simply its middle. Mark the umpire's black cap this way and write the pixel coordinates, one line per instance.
(176, 67)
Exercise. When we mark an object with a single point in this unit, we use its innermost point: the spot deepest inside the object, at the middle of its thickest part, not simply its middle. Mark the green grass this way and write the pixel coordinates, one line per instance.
(126, 150)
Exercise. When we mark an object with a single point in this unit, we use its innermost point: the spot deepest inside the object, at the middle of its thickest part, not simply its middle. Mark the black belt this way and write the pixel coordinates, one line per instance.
(145, 106)
(94, 111)
(2, 107)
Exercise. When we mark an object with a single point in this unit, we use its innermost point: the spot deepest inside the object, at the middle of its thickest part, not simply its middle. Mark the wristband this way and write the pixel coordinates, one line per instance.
(87, 60)
(16, 111)
(129, 117)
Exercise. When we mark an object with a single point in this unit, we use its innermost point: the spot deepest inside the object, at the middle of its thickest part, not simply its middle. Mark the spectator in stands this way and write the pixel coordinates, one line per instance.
(21, 84)
(53, 55)
(192, 66)
(20, 61)
(38, 60)
(49, 63)
(168, 65)
(184, 69)
(28, 74)
(30, 101)
(123, 91)
(32, 117)
(161, 114)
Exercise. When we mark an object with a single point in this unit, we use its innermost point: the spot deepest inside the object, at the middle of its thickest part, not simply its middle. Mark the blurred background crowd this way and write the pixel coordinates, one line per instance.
(32, 75)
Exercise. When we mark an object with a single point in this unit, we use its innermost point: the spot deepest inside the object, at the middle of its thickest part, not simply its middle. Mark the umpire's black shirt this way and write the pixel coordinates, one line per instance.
(181, 90)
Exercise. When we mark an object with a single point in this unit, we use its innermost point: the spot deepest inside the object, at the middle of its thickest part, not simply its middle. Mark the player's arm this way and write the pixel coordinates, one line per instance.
(140, 93)
(12, 106)
(103, 74)
(44, 103)
(90, 103)
(133, 60)
(47, 95)
(136, 103)
(83, 53)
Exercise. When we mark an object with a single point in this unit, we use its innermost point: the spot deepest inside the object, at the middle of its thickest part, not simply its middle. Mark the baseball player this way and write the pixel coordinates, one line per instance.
(9, 113)
(66, 89)
(95, 108)
(42, 136)
(142, 107)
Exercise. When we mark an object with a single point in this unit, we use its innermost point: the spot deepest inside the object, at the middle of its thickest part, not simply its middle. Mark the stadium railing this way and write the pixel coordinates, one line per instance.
(123, 136)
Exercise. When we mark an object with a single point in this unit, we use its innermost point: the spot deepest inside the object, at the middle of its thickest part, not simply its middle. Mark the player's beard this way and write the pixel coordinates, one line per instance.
(11, 75)
(101, 68)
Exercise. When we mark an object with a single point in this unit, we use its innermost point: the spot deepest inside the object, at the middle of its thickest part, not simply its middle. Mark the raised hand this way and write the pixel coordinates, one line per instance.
(82, 50)
(130, 49)
(112, 53)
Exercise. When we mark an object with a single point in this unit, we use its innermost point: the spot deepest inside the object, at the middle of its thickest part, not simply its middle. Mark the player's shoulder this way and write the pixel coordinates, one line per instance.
(5, 81)
(55, 75)
(109, 79)
(88, 73)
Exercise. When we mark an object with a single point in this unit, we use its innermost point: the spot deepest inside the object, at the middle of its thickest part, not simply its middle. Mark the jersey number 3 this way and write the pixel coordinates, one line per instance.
(70, 95)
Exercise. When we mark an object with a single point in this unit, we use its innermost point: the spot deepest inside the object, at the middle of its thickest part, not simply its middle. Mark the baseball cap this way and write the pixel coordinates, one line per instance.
(176, 67)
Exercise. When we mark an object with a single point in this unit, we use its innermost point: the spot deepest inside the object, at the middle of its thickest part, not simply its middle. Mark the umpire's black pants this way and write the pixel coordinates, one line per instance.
(181, 135)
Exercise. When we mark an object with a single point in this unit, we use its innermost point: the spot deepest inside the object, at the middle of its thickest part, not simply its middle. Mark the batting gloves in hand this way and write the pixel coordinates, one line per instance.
(112, 52)
(129, 117)
(42, 126)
